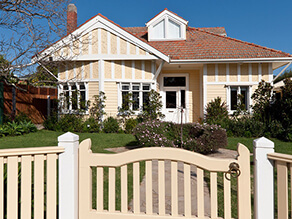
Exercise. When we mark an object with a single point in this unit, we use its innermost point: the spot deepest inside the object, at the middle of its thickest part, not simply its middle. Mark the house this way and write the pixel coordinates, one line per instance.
(189, 66)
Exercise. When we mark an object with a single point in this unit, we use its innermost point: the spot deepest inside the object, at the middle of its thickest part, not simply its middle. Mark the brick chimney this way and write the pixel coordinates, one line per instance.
(71, 18)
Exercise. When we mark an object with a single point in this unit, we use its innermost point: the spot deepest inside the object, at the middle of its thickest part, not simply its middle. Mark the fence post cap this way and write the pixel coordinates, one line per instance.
(68, 136)
(263, 143)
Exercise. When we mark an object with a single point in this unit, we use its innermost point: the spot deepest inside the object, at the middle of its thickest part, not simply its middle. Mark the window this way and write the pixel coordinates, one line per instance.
(73, 97)
(239, 94)
(174, 30)
(138, 93)
(159, 30)
(174, 81)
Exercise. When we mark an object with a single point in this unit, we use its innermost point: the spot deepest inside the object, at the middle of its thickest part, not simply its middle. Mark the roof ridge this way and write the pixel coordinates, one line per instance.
(244, 42)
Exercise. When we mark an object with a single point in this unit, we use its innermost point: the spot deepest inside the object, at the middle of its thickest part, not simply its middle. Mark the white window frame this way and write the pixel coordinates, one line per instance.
(228, 92)
(120, 98)
(62, 97)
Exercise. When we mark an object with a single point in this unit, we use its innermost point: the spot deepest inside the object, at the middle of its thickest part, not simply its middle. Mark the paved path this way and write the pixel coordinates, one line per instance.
(222, 153)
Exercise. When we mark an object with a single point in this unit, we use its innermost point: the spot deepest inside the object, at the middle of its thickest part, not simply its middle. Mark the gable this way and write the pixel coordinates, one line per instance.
(100, 38)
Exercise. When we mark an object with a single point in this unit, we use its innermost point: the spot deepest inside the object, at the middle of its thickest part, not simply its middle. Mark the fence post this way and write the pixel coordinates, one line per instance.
(68, 176)
(263, 179)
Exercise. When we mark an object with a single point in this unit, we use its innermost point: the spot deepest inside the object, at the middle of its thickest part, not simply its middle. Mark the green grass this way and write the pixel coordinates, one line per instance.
(42, 138)
(280, 146)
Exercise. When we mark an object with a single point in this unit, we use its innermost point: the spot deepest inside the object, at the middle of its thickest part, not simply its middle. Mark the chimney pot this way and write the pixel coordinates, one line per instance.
(71, 18)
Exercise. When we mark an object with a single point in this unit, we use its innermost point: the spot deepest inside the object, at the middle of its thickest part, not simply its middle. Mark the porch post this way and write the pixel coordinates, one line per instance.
(68, 176)
(263, 179)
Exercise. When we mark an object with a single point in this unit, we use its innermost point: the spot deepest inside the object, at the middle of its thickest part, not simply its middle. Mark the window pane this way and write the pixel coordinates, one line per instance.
(243, 91)
(170, 99)
(74, 100)
(173, 30)
(82, 87)
(125, 100)
(183, 98)
(159, 30)
(174, 81)
(73, 87)
(146, 86)
(65, 87)
(145, 99)
(82, 100)
(136, 87)
(125, 87)
(135, 100)
(233, 98)
(67, 99)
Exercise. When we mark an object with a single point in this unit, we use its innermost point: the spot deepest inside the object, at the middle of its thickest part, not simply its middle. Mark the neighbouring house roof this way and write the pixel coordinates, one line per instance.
(208, 43)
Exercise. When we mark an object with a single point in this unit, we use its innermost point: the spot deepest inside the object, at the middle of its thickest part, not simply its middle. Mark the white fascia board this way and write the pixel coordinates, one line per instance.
(100, 22)
(249, 60)
(162, 15)
(94, 57)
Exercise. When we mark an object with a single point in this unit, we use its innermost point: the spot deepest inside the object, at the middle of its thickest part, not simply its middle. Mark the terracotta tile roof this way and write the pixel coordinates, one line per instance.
(208, 43)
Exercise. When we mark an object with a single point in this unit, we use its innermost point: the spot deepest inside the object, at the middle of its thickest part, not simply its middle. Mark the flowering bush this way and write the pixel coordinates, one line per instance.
(202, 138)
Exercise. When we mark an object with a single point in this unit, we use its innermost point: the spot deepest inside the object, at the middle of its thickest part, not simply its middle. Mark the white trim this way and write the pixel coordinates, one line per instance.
(99, 40)
(133, 70)
(74, 70)
(123, 69)
(158, 70)
(79, 47)
(243, 60)
(95, 57)
(137, 50)
(82, 71)
(91, 70)
(71, 49)
(270, 72)
(227, 72)
(101, 76)
(112, 69)
(153, 67)
(216, 72)
(228, 98)
(108, 43)
(59, 74)
(238, 72)
(249, 72)
(66, 71)
(201, 96)
(128, 80)
(128, 47)
(90, 42)
(205, 70)
(157, 18)
(241, 83)
(260, 71)
(143, 69)
(249, 99)
(118, 45)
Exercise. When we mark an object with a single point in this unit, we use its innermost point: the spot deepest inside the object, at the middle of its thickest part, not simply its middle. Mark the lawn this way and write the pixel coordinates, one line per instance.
(280, 146)
(42, 138)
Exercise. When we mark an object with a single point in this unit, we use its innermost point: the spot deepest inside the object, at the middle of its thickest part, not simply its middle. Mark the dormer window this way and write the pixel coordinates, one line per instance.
(166, 26)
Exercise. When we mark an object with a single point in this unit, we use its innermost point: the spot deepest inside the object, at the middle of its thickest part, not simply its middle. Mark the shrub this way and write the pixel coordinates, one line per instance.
(22, 117)
(216, 111)
(15, 128)
(111, 125)
(51, 122)
(130, 125)
(91, 125)
(152, 110)
(70, 123)
(196, 137)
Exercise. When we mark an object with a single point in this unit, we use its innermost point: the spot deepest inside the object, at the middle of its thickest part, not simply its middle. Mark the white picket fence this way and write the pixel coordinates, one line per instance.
(23, 160)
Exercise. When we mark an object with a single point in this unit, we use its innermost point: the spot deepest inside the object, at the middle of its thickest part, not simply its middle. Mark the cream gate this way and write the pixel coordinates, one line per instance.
(108, 166)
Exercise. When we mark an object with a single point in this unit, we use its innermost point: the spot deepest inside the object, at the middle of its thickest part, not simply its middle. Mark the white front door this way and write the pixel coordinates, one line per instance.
(174, 92)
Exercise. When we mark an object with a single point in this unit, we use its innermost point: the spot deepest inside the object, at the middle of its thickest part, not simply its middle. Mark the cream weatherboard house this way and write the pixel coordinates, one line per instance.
(189, 66)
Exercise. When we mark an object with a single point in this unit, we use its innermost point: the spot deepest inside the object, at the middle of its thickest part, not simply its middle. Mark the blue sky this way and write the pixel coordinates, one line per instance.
(263, 22)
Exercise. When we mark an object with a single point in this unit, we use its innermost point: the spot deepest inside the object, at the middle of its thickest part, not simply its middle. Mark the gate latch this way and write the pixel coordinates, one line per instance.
(233, 171)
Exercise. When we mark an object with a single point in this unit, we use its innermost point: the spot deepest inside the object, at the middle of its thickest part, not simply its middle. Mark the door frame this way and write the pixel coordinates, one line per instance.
(186, 88)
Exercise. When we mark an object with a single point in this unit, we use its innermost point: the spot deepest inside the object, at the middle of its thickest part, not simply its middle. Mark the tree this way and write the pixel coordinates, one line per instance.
(27, 28)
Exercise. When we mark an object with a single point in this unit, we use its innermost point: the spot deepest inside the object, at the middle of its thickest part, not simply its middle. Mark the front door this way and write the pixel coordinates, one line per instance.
(174, 92)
